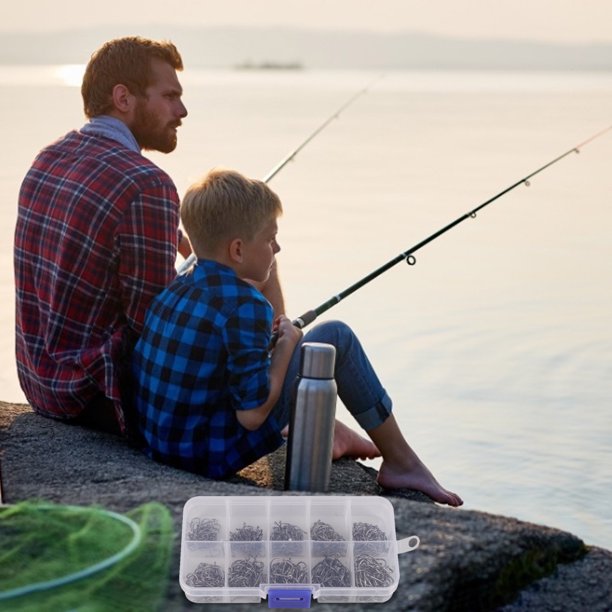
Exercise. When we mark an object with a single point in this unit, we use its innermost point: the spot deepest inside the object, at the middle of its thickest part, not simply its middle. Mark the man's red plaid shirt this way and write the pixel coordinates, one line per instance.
(95, 240)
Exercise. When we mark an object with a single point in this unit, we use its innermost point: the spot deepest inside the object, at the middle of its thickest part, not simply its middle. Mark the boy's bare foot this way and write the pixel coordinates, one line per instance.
(348, 443)
(418, 478)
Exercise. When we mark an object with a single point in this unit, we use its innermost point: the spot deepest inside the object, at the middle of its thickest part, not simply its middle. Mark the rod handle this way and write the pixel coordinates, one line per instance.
(301, 322)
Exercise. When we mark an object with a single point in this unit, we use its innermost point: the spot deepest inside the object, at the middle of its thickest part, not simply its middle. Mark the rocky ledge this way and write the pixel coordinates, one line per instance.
(467, 560)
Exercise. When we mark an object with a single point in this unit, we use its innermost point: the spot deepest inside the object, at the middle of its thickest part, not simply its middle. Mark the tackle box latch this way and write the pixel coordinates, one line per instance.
(289, 598)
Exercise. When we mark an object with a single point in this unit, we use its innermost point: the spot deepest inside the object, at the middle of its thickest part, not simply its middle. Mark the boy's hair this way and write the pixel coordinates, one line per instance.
(125, 61)
(225, 205)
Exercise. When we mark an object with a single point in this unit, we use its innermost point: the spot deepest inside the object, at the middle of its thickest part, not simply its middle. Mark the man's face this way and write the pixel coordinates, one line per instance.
(159, 113)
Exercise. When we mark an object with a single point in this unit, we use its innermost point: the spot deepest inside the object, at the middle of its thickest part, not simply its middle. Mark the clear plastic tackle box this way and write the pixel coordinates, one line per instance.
(289, 549)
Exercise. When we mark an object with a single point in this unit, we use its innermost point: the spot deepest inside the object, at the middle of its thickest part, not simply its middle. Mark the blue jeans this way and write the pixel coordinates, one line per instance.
(358, 386)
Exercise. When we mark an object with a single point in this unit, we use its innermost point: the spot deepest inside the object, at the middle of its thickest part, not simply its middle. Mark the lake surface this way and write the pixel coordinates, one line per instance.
(497, 345)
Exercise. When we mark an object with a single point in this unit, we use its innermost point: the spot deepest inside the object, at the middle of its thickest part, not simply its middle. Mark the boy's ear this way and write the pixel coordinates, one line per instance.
(236, 250)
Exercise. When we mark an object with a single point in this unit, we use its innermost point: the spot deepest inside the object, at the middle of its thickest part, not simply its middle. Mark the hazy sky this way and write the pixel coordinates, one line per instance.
(549, 20)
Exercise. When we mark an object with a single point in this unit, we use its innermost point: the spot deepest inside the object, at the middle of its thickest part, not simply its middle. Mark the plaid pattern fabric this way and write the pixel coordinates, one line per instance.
(95, 240)
(201, 357)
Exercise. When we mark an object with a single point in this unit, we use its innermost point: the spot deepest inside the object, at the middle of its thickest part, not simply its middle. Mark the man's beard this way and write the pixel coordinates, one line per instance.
(150, 134)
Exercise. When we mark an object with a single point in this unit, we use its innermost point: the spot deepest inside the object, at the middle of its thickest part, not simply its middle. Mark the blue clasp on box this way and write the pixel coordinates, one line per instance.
(289, 598)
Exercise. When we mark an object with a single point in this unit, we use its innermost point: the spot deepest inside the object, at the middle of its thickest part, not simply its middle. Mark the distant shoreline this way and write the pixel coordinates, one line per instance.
(328, 49)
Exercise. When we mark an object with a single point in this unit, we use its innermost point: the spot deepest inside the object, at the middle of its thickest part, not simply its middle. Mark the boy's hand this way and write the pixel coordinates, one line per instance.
(283, 328)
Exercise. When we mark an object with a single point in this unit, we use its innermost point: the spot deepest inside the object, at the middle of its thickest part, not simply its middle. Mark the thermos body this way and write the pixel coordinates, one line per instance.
(311, 427)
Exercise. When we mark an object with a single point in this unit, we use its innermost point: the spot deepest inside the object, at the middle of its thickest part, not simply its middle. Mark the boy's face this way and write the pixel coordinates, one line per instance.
(259, 253)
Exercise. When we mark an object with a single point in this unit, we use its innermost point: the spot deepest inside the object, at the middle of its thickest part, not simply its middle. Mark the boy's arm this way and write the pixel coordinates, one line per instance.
(288, 337)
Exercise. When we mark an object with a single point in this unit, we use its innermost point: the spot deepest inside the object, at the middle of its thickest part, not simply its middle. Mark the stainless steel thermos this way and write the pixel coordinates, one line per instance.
(311, 426)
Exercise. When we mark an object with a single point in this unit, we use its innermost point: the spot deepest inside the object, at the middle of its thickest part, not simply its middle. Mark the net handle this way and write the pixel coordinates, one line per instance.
(88, 571)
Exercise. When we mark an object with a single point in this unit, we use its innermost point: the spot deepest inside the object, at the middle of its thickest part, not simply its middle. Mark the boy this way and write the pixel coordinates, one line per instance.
(211, 397)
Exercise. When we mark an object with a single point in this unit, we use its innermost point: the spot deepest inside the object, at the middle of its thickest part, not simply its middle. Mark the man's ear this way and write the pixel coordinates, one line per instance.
(236, 250)
(123, 99)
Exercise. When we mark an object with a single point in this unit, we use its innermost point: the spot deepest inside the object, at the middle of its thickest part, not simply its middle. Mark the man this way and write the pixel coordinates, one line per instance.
(97, 235)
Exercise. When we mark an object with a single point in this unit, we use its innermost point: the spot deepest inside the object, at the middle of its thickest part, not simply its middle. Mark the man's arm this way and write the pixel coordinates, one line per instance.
(147, 237)
(184, 246)
(273, 291)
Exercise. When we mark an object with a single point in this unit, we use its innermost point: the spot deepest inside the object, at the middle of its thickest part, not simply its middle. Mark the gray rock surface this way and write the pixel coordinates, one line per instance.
(467, 560)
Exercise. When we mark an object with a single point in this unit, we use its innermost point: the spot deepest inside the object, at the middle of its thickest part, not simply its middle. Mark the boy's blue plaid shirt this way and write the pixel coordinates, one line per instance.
(203, 355)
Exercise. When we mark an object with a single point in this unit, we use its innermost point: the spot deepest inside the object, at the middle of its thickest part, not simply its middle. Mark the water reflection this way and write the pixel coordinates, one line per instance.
(63, 75)
(70, 75)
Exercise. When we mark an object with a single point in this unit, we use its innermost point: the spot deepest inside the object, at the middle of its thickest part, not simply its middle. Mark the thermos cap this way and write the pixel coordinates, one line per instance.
(318, 360)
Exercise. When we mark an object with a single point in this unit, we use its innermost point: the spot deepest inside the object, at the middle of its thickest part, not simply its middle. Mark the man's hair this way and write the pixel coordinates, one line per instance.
(224, 205)
(125, 61)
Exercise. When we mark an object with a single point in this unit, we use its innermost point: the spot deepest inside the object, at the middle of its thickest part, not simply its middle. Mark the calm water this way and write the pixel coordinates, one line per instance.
(497, 345)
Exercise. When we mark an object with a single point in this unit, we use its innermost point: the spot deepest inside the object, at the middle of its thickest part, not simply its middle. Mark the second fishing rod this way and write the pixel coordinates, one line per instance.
(188, 263)
(408, 255)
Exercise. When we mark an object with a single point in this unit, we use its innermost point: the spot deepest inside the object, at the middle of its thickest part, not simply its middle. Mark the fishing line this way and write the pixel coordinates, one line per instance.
(335, 115)
(309, 316)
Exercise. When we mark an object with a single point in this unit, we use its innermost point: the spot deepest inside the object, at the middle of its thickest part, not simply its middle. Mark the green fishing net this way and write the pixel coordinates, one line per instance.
(86, 559)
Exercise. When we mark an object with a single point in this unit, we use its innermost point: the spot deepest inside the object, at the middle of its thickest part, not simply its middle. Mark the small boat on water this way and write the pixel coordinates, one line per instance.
(269, 65)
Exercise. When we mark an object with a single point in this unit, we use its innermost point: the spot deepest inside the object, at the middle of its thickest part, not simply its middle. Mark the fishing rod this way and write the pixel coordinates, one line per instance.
(192, 258)
(309, 316)
(335, 115)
